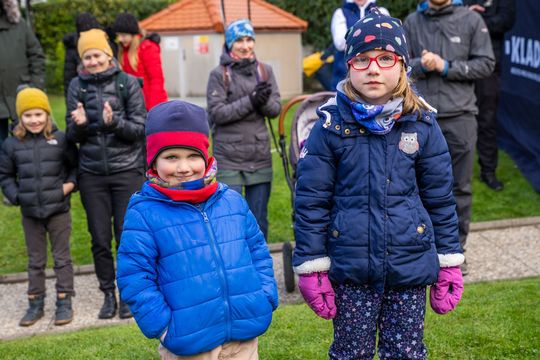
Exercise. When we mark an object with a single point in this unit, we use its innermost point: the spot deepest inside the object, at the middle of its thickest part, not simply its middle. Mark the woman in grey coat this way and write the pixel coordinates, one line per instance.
(241, 92)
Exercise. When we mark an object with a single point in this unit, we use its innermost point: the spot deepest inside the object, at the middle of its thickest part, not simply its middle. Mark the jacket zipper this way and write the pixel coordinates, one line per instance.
(37, 164)
(101, 133)
(221, 272)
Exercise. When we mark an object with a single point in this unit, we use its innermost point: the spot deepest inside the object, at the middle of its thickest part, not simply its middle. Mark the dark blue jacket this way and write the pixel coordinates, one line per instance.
(203, 273)
(379, 206)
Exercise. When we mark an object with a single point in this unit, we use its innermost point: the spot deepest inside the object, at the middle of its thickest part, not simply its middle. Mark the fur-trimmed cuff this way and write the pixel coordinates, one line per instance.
(449, 260)
(312, 266)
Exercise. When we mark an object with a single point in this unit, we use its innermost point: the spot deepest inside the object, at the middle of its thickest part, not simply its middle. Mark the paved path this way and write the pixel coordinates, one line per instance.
(492, 254)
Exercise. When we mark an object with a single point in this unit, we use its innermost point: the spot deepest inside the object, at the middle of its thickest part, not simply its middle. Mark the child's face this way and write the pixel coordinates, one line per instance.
(95, 61)
(179, 165)
(243, 48)
(34, 120)
(374, 83)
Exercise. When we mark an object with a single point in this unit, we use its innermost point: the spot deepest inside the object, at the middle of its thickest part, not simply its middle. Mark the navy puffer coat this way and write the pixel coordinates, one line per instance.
(202, 273)
(375, 209)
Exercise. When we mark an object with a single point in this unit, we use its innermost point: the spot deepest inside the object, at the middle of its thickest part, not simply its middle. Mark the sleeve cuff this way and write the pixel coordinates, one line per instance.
(445, 70)
(313, 266)
(449, 260)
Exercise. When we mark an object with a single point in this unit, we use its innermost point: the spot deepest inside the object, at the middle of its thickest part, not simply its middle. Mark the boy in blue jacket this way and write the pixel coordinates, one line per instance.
(193, 265)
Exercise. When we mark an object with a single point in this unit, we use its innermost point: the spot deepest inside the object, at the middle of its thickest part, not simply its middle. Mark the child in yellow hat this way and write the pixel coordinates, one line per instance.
(38, 169)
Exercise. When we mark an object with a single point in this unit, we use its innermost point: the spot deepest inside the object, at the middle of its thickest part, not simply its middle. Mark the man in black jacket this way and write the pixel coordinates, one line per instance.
(499, 16)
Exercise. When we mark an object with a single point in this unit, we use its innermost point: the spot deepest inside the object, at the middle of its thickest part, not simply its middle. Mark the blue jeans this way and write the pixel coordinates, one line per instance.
(257, 197)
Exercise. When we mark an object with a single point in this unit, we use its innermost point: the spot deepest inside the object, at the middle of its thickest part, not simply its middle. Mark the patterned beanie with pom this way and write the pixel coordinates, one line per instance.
(376, 31)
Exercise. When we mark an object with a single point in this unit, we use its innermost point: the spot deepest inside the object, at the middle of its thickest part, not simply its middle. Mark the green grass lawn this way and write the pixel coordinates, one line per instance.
(498, 320)
(517, 200)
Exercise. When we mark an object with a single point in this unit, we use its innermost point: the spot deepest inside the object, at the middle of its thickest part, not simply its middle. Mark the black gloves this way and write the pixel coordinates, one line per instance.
(260, 94)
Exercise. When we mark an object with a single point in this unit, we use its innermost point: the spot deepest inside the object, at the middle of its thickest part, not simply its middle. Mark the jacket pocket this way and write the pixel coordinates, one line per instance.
(229, 145)
(262, 145)
(421, 224)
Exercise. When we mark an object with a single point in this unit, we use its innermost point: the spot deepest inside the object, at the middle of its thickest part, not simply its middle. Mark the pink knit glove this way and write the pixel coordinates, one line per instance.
(446, 293)
(318, 293)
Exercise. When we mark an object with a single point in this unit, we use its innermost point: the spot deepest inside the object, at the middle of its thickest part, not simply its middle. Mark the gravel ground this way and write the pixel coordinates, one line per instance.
(507, 253)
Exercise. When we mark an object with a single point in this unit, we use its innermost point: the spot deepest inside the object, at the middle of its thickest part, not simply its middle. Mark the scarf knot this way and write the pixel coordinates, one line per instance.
(378, 119)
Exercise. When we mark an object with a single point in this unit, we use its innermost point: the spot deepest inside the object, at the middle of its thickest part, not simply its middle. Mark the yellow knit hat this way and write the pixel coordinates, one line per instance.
(32, 98)
(93, 39)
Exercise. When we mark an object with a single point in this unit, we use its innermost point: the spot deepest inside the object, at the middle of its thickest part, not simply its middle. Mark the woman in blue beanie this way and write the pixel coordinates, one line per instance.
(241, 92)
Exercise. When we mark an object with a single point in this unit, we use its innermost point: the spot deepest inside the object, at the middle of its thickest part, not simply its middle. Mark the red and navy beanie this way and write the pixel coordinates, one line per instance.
(176, 123)
(376, 31)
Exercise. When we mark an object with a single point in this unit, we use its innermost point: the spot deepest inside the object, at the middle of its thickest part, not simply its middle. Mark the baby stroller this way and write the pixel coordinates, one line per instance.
(304, 118)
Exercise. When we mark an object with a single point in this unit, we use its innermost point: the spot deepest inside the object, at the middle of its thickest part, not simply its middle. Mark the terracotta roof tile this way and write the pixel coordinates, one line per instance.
(190, 15)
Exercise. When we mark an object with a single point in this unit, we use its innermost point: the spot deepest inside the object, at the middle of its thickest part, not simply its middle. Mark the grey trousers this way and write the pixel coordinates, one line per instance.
(35, 232)
(460, 133)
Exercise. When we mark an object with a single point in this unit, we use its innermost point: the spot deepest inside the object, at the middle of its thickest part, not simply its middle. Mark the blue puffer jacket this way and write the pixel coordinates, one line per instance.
(375, 209)
(203, 274)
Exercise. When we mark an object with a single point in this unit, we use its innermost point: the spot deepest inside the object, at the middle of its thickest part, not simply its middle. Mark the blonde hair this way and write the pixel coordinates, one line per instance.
(133, 51)
(20, 131)
(411, 101)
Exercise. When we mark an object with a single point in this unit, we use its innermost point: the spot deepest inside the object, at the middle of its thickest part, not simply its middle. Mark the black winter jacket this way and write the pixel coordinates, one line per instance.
(499, 17)
(71, 60)
(33, 170)
(119, 146)
(21, 62)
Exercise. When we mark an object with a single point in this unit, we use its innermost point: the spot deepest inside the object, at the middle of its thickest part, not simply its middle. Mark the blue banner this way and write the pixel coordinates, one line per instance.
(518, 115)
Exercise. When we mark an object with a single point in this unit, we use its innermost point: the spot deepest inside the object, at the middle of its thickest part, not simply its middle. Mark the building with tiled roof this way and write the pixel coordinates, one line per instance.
(192, 41)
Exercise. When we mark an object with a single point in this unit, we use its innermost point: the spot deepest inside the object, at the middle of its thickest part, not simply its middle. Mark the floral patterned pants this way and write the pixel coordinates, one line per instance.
(398, 314)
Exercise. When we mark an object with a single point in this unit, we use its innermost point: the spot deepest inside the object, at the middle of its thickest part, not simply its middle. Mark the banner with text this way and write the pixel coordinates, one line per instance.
(518, 115)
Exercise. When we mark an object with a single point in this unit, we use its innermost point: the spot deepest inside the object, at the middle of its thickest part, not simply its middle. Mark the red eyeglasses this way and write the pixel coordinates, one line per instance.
(384, 61)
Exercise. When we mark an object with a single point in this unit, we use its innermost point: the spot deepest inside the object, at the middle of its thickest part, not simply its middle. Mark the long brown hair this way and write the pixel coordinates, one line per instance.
(411, 101)
(133, 51)
(20, 131)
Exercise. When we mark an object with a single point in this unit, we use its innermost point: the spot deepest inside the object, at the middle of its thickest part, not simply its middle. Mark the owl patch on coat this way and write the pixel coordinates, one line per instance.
(409, 143)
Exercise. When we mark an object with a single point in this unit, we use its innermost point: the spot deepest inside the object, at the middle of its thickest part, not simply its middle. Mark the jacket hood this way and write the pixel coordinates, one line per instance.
(10, 10)
(423, 6)
(154, 37)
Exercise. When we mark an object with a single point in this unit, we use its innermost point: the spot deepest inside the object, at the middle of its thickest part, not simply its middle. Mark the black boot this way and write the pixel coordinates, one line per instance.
(491, 181)
(108, 310)
(35, 310)
(124, 312)
(64, 311)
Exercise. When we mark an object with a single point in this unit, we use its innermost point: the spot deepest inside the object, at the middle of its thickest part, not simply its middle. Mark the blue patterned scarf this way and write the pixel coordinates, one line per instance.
(378, 119)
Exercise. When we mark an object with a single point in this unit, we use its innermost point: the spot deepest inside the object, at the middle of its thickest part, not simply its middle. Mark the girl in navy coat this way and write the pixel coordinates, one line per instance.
(375, 215)
(193, 265)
